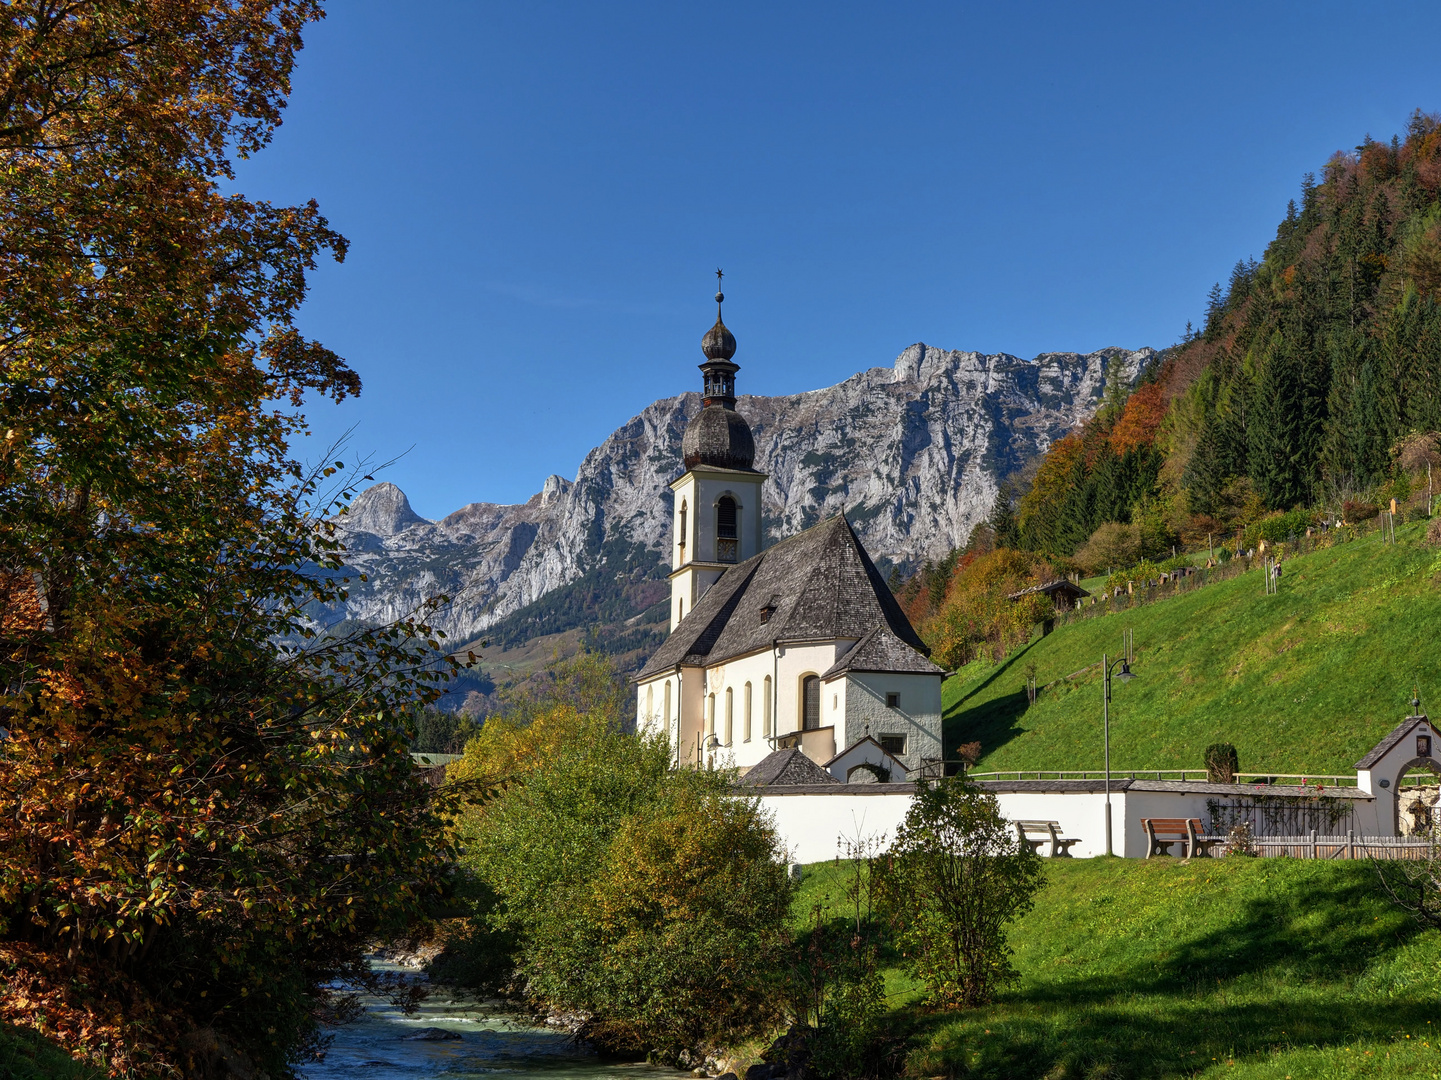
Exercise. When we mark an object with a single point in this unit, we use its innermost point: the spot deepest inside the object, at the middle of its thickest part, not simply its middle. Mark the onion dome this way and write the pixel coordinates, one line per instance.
(718, 436)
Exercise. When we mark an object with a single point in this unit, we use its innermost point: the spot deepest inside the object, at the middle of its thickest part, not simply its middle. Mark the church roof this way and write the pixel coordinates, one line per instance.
(818, 585)
(786, 767)
(882, 651)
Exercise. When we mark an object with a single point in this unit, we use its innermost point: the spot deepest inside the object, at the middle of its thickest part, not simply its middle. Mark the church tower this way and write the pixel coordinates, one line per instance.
(718, 500)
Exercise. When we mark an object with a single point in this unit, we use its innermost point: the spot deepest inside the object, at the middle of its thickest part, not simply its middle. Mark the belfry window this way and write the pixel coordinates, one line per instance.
(810, 703)
(727, 529)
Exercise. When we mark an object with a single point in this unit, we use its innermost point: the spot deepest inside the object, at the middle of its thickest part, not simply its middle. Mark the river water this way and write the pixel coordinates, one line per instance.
(383, 1045)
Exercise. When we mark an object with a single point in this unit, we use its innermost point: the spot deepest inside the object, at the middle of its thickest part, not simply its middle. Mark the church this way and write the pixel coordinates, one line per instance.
(799, 646)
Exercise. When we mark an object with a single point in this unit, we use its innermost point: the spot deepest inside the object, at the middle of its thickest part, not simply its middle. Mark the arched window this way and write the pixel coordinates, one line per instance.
(746, 728)
(680, 532)
(667, 702)
(810, 702)
(727, 529)
(730, 714)
(710, 715)
(649, 704)
(766, 708)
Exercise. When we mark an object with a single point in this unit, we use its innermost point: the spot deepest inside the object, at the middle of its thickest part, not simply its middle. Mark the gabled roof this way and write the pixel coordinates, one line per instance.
(818, 585)
(1051, 589)
(867, 747)
(1386, 745)
(786, 767)
(880, 650)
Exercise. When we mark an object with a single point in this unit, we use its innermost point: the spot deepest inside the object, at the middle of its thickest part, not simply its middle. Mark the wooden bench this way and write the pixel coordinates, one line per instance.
(1162, 832)
(1047, 830)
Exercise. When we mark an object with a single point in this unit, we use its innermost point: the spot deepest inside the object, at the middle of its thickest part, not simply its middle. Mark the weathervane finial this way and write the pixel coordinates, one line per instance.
(719, 296)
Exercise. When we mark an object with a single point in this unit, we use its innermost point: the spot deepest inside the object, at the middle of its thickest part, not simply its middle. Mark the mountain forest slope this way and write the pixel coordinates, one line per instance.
(1316, 374)
(1305, 681)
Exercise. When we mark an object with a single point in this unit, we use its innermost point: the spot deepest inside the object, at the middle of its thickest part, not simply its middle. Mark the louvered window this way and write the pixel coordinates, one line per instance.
(811, 696)
(727, 533)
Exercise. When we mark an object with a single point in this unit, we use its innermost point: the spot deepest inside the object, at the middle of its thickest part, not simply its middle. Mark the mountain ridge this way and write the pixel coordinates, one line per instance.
(913, 453)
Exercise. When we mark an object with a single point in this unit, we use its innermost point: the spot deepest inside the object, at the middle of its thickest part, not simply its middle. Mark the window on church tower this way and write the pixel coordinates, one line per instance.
(811, 703)
(726, 529)
(730, 714)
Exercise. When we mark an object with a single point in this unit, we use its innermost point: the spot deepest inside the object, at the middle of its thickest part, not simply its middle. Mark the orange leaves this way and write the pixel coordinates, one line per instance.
(1138, 424)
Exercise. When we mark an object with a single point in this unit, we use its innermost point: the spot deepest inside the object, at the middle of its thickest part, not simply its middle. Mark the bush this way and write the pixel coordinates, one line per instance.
(1353, 511)
(648, 900)
(1277, 527)
(959, 875)
(1433, 533)
(1222, 763)
(1110, 546)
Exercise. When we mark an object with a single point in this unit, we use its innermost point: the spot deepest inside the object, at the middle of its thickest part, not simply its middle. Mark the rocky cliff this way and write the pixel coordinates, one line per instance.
(912, 453)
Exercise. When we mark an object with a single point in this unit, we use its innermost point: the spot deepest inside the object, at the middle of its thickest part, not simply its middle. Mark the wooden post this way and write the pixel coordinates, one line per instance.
(1313, 843)
(1351, 843)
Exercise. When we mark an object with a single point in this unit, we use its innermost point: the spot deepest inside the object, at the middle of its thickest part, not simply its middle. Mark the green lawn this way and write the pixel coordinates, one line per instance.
(1239, 968)
(25, 1056)
(1302, 682)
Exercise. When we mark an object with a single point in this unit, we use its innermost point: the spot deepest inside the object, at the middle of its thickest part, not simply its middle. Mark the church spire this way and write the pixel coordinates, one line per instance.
(719, 345)
(718, 435)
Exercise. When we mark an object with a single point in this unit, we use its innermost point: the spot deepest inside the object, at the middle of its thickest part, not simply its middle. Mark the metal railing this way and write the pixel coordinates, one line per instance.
(1174, 775)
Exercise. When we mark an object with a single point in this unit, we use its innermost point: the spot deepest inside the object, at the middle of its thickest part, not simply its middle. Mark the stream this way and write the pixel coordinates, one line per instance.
(456, 1038)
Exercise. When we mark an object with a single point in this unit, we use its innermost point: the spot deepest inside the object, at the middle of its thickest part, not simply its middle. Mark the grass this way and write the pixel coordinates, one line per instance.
(1254, 969)
(1302, 682)
(26, 1056)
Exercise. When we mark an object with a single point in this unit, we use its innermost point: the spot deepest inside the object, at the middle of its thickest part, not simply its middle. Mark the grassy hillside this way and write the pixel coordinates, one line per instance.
(1305, 681)
(1254, 969)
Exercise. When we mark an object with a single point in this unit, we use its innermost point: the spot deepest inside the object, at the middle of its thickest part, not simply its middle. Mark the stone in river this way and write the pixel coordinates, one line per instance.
(432, 1034)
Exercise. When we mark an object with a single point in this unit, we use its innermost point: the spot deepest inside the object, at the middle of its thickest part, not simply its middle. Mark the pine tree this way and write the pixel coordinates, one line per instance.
(1003, 517)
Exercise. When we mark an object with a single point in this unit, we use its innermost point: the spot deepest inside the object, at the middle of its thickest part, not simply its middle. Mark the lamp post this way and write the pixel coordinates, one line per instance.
(1125, 676)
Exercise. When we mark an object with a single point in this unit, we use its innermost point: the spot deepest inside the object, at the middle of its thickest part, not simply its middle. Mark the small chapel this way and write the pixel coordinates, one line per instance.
(789, 661)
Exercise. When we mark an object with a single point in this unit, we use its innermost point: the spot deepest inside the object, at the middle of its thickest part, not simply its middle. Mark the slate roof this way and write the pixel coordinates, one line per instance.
(880, 650)
(788, 767)
(1385, 746)
(819, 585)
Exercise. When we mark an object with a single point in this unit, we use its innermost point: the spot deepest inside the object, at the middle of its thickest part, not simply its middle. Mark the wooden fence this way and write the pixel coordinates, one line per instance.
(1349, 846)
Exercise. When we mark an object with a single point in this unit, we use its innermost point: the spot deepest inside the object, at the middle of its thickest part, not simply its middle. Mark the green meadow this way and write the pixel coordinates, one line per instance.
(1305, 681)
(1247, 968)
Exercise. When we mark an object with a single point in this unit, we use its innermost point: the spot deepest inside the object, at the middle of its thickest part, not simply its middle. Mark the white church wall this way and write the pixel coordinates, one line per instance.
(793, 664)
(757, 671)
(916, 716)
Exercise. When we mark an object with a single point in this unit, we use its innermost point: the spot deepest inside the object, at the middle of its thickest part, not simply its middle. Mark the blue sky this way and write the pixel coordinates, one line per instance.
(537, 194)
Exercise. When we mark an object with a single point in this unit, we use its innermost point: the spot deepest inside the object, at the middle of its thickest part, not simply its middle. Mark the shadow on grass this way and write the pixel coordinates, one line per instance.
(1281, 974)
(993, 723)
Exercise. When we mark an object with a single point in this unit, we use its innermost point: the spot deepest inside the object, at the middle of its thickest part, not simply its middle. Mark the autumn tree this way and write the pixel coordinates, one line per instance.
(205, 802)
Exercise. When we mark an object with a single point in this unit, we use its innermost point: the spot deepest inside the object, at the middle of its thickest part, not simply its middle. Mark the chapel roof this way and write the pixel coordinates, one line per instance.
(1397, 733)
(882, 651)
(786, 767)
(818, 585)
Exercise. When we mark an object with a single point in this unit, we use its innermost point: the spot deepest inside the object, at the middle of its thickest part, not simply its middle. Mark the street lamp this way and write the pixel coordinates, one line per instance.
(1124, 675)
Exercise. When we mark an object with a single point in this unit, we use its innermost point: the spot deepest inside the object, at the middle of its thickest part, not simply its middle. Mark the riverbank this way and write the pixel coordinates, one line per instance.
(1251, 968)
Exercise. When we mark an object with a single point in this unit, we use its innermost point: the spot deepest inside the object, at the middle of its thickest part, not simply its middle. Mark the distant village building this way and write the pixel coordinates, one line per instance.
(798, 646)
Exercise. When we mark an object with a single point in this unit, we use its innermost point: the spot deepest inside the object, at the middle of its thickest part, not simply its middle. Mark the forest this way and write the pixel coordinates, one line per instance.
(1311, 392)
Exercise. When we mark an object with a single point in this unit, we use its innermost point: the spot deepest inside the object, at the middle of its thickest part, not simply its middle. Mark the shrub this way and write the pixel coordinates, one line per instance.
(1110, 546)
(1353, 511)
(1433, 532)
(959, 875)
(1222, 763)
(646, 899)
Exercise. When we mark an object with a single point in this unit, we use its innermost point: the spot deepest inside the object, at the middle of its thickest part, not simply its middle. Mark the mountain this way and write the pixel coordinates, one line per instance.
(912, 453)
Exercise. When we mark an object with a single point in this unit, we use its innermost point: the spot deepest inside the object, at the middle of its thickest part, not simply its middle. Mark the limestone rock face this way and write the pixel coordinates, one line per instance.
(913, 454)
